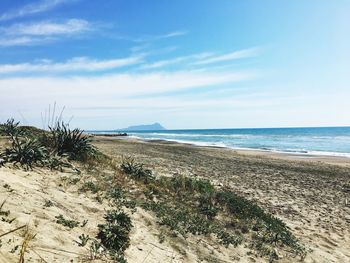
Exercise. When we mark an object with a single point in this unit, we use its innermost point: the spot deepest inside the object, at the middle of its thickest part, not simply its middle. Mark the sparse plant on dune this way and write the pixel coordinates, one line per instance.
(72, 143)
(90, 186)
(27, 152)
(66, 222)
(9, 128)
(114, 234)
(193, 205)
(83, 240)
(269, 230)
(182, 183)
(136, 170)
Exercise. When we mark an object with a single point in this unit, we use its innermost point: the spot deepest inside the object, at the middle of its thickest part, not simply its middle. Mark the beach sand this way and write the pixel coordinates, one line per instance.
(312, 195)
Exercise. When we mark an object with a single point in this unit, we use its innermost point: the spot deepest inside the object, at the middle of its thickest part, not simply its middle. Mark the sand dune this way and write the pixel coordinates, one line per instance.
(310, 196)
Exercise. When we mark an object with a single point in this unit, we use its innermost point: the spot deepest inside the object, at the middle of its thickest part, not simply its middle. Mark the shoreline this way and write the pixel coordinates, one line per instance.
(292, 156)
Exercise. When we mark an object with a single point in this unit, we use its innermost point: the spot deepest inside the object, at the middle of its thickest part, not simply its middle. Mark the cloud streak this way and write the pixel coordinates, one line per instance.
(108, 87)
(30, 9)
(177, 60)
(244, 53)
(131, 91)
(72, 65)
(152, 38)
(42, 32)
(21, 41)
(47, 28)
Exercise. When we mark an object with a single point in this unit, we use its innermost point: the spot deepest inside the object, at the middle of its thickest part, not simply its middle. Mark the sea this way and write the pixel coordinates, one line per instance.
(329, 141)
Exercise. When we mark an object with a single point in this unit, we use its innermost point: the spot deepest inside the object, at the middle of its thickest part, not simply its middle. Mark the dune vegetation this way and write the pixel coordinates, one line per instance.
(183, 206)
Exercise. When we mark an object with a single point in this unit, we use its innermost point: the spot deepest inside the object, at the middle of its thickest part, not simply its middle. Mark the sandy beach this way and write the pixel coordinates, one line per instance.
(311, 195)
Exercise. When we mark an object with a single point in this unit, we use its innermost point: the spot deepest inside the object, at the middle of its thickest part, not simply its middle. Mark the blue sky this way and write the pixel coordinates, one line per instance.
(185, 64)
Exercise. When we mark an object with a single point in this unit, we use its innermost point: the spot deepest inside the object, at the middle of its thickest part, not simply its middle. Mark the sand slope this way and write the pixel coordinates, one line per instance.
(309, 196)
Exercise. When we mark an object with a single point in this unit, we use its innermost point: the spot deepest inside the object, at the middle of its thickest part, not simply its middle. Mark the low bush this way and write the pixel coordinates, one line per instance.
(90, 186)
(27, 152)
(207, 206)
(114, 234)
(187, 184)
(9, 128)
(269, 229)
(136, 170)
(66, 222)
(72, 143)
(185, 221)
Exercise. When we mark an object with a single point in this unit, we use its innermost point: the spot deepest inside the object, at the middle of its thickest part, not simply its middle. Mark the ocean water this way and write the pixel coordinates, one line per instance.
(333, 141)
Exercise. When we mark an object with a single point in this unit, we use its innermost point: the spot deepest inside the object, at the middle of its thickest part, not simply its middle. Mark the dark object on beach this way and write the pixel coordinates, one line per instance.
(111, 134)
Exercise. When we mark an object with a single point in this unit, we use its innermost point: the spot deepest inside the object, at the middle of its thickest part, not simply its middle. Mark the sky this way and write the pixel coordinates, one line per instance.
(185, 64)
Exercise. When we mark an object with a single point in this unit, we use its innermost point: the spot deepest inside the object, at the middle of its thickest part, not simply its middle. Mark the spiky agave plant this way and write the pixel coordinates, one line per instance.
(73, 143)
(27, 152)
(136, 170)
(9, 128)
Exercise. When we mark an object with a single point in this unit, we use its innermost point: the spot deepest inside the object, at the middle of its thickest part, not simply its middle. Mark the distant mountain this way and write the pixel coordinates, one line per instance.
(147, 127)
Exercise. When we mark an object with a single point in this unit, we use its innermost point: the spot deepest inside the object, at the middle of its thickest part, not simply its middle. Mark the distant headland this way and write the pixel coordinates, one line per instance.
(145, 127)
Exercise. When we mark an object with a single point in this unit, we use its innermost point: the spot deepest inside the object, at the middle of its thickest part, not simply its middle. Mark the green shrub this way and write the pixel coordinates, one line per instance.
(26, 152)
(55, 162)
(184, 220)
(65, 222)
(114, 234)
(73, 143)
(207, 206)
(90, 186)
(270, 229)
(83, 240)
(9, 128)
(183, 183)
(136, 170)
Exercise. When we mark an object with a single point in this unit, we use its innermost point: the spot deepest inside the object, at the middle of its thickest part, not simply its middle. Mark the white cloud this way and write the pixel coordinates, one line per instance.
(151, 38)
(245, 53)
(30, 9)
(47, 28)
(162, 63)
(75, 64)
(173, 34)
(106, 90)
(42, 32)
(21, 41)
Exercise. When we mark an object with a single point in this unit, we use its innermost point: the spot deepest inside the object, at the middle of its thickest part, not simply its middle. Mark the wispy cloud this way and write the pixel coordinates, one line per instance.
(173, 34)
(131, 91)
(34, 8)
(110, 89)
(151, 38)
(204, 58)
(48, 28)
(21, 41)
(177, 60)
(72, 65)
(245, 53)
(42, 32)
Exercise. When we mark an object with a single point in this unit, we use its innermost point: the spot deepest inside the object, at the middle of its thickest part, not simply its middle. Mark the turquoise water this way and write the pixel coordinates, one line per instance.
(321, 141)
